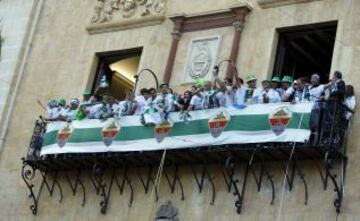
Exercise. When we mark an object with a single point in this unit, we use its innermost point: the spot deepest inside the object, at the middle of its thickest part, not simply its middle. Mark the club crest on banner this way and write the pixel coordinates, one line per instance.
(218, 123)
(279, 119)
(109, 132)
(162, 130)
(64, 135)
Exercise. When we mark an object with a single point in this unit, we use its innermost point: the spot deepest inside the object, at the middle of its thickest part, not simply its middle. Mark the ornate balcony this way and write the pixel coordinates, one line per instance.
(240, 142)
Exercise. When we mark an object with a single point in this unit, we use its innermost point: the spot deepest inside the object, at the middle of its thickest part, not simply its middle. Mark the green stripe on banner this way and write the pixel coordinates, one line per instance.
(237, 123)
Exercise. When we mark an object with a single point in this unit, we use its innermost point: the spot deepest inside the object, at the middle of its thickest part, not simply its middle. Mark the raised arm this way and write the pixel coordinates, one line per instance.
(217, 80)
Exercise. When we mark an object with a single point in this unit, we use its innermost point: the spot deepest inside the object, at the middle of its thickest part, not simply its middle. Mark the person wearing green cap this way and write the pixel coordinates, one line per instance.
(62, 102)
(53, 111)
(275, 83)
(253, 94)
(56, 110)
(72, 110)
(62, 109)
(86, 96)
(269, 95)
(286, 83)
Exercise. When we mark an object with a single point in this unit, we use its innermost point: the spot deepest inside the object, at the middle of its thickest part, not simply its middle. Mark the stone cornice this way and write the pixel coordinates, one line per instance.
(276, 3)
(211, 19)
(125, 24)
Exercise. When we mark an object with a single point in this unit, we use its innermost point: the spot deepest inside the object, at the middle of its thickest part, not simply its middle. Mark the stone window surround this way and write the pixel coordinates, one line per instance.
(234, 16)
(276, 3)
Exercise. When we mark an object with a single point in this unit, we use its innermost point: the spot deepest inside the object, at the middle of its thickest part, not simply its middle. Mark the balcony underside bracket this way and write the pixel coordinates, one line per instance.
(339, 186)
(149, 180)
(175, 179)
(200, 180)
(74, 186)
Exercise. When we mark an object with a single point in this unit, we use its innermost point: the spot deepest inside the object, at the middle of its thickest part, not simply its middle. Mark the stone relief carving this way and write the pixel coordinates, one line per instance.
(238, 25)
(105, 10)
(200, 65)
(201, 57)
(167, 212)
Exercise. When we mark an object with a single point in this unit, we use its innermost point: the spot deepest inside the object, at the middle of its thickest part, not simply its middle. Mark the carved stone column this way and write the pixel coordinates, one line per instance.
(176, 34)
(238, 25)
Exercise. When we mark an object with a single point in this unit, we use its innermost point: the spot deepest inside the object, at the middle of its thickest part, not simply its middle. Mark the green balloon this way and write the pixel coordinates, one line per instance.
(80, 115)
(200, 82)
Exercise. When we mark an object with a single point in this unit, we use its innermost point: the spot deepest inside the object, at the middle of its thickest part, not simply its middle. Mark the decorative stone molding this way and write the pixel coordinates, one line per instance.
(210, 20)
(233, 16)
(106, 10)
(276, 3)
(125, 24)
(238, 25)
(114, 15)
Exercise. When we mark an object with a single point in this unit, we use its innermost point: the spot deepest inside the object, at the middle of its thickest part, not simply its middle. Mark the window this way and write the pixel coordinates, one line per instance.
(119, 69)
(305, 50)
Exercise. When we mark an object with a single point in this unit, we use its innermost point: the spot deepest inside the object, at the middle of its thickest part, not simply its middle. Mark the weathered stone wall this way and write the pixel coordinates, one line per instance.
(14, 21)
(60, 65)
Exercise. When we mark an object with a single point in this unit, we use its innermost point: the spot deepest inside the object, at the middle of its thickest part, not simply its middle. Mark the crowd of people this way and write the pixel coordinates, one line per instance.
(206, 95)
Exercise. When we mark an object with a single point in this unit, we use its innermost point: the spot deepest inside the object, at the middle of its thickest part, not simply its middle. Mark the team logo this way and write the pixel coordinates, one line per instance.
(279, 119)
(64, 135)
(218, 123)
(109, 133)
(162, 130)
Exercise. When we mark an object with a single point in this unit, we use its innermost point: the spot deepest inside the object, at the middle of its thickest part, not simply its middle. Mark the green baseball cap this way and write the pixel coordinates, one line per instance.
(275, 79)
(62, 102)
(87, 91)
(250, 77)
(287, 79)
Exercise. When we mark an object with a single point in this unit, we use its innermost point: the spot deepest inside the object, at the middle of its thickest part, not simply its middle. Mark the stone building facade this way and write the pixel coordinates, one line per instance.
(64, 40)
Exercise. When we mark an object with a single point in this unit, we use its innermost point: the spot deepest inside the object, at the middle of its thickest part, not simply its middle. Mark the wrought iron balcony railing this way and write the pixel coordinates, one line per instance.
(326, 148)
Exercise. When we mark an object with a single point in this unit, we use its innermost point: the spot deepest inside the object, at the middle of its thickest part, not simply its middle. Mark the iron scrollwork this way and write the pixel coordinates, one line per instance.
(230, 166)
(338, 187)
(28, 174)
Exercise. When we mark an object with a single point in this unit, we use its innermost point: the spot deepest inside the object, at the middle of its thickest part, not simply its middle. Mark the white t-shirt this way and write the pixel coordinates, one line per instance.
(140, 104)
(70, 114)
(166, 102)
(53, 113)
(170, 102)
(206, 98)
(273, 96)
(63, 111)
(239, 97)
(256, 96)
(221, 97)
(229, 96)
(196, 102)
(316, 92)
(288, 92)
(350, 102)
(125, 107)
(94, 111)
